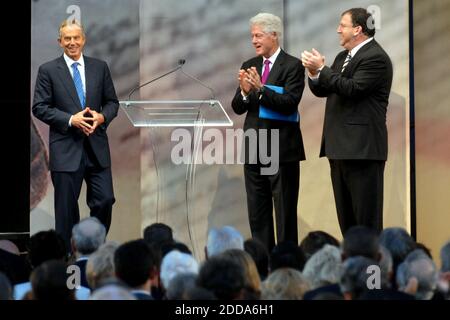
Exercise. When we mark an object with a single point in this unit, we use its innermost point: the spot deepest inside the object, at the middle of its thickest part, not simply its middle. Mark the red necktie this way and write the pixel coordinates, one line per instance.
(265, 74)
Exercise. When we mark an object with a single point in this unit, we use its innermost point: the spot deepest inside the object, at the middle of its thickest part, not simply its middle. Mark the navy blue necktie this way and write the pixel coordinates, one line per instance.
(78, 84)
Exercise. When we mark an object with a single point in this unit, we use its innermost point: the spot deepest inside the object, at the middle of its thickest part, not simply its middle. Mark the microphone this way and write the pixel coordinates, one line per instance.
(213, 94)
(178, 67)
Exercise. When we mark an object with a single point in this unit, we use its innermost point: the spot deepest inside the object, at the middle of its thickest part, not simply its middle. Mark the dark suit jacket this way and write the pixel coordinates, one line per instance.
(56, 100)
(289, 73)
(355, 115)
(82, 265)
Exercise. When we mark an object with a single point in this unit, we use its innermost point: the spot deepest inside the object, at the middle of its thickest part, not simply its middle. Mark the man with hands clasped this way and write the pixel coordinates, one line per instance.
(270, 88)
(75, 96)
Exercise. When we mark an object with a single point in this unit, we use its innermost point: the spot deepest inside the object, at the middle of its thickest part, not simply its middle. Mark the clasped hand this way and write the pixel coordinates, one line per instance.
(249, 80)
(87, 120)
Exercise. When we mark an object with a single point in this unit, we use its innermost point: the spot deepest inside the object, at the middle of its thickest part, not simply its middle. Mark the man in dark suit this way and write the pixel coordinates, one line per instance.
(75, 96)
(270, 88)
(357, 87)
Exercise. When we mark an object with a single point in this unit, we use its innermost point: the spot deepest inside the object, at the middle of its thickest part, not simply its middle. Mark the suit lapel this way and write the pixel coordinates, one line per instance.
(357, 56)
(67, 81)
(90, 79)
(276, 68)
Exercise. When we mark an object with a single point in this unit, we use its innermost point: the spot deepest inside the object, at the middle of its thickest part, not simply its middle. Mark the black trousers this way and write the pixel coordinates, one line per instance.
(99, 194)
(358, 192)
(281, 188)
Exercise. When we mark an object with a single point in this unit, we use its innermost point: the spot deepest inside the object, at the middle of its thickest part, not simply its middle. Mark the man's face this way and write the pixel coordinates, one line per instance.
(265, 43)
(347, 32)
(72, 41)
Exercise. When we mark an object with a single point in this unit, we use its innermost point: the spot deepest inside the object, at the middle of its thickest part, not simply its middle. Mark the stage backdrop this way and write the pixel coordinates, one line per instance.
(143, 39)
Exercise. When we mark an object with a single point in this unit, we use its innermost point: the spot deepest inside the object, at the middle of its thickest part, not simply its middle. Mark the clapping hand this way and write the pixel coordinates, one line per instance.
(313, 61)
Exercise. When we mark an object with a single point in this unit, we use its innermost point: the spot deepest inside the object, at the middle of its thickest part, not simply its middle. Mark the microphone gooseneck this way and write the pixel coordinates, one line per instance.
(178, 67)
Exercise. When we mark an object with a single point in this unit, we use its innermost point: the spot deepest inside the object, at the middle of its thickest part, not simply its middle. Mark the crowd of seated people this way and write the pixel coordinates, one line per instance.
(363, 266)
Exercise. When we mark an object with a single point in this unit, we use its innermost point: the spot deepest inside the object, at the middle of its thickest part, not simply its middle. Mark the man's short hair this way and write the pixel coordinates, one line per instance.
(134, 261)
(69, 22)
(362, 18)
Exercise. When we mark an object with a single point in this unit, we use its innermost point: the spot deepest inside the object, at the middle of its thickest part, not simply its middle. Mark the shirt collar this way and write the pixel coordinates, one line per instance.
(273, 57)
(70, 61)
(359, 46)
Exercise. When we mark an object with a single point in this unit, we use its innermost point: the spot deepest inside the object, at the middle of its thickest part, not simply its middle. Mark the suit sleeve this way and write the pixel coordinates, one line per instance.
(110, 104)
(287, 103)
(366, 78)
(317, 89)
(43, 107)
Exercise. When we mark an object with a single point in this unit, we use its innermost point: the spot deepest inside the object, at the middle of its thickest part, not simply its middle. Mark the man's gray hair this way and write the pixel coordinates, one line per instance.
(269, 23)
(418, 265)
(100, 265)
(222, 239)
(324, 267)
(445, 257)
(174, 263)
(88, 235)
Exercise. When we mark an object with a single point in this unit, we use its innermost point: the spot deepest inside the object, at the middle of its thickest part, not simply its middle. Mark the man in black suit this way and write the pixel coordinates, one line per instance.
(75, 96)
(270, 88)
(357, 87)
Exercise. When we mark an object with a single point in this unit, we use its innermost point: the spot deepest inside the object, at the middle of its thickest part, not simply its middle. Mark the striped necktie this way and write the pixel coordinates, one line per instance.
(78, 84)
(346, 62)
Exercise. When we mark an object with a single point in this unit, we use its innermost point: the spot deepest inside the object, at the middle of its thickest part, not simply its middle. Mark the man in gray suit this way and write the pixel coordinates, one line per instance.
(357, 87)
(75, 96)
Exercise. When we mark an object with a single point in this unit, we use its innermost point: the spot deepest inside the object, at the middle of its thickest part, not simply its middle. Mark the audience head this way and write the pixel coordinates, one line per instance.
(286, 254)
(157, 234)
(355, 275)
(418, 265)
(285, 284)
(44, 246)
(252, 279)
(361, 241)
(49, 282)
(222, 276)
(175, 245)
(386, 266)
(398, 242)
(179, 285)
(324, 267)
(88, 235)
(175, 263)
(135, 263)
(222, 239)
(100, 265)
(260, 256)
(445, 257)
(112, 292)
(315, 240)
